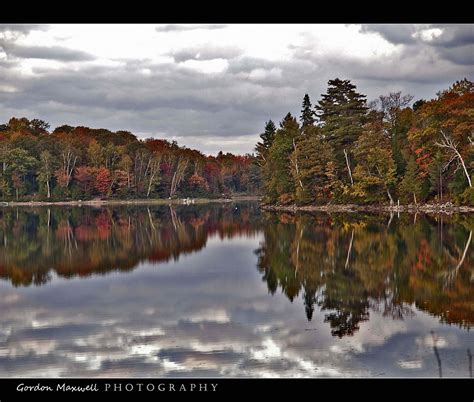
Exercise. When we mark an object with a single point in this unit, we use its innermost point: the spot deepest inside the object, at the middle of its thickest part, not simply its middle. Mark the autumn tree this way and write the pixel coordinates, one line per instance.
(95, 154)
(103, 181)
(85, 178)
(446, 124)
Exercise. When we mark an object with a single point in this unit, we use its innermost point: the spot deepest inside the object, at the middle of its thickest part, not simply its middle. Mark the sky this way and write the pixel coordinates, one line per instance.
(212, 87)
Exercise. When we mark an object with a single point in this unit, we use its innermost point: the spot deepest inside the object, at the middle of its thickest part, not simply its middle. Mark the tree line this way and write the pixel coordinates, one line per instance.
(348, 150)
(84, 163)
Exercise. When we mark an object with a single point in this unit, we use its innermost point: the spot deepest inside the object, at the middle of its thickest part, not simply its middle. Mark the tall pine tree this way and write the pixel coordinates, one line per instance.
(342, 113)
(307, 113)
(313, 169)
(280, 187)
(266, 142)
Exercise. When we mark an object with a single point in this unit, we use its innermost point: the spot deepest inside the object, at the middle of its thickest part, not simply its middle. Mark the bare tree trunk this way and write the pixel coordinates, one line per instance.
(465, 169)
(154, 169)
(172, 189)
(451, 275)
(350, 249)
(151, 219)
(152, 176)
(389, 196)
(178, 175)
(348, 167)
(49, 190)
(296, 165)
(451, 145)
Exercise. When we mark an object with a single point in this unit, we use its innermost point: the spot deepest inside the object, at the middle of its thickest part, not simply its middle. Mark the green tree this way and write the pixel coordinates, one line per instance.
(410, 187)
(95, 154)
(375, 169)
(313, 168)
(20, 164)
(342, 112)
(280, 186)
(307, 113)
(262, 148)
(46, 170)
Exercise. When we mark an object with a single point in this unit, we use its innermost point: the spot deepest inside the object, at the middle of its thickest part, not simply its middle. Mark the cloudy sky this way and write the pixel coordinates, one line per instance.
(212, 87)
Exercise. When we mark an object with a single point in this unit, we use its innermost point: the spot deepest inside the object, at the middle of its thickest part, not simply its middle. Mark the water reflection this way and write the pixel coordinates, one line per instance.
(226, 290)
(84, 241)
(349, 265)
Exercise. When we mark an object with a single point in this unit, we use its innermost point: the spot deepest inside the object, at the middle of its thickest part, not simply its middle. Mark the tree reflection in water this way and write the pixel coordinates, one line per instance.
(345, 265)
(84, 241)
(350, 264)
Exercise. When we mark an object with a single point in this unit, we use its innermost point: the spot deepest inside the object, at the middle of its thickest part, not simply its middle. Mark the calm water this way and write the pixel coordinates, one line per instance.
(226, 290)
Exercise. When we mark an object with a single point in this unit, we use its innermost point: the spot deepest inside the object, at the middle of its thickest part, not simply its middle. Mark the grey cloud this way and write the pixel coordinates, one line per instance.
(177, 101)
(415, 65)
(454, 35)
(397, 34)
(455, 43)
(47, 53)
(206, 53)
(171, 100)
(187, 27)
(22, 28)
(463, 55)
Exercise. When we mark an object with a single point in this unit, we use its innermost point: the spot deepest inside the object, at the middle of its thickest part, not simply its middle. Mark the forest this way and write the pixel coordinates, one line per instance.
(71, 163)
(387, 151)
(343, 150)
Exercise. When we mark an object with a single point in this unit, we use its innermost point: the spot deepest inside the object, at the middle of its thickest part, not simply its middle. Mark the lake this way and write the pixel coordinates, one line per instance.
(229, 290)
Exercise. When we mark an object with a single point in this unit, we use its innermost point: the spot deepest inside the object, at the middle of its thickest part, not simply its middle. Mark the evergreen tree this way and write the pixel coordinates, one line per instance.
(280, 187)
(313, 169)
(435, 176)
(263, 146)
(342, 113)
(375, 172)
(418, 104)
(307, 114)
(262, 149)
(411, 185)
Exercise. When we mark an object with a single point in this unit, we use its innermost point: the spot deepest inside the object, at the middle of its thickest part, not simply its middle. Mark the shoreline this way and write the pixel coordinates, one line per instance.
(154, 201)
(410, 208)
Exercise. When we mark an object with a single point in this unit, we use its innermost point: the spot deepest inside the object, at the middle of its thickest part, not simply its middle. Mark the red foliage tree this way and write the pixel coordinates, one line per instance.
(103, 181)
